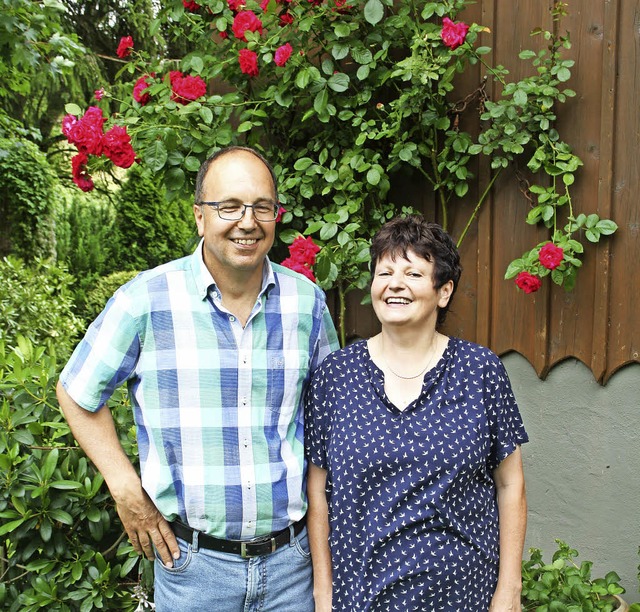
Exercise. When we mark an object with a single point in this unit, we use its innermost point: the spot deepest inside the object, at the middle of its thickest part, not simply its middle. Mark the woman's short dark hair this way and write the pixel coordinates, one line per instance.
(204, 168)
(427, 240)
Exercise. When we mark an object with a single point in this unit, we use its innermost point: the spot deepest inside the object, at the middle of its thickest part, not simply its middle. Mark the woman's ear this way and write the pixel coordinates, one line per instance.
(445, 293)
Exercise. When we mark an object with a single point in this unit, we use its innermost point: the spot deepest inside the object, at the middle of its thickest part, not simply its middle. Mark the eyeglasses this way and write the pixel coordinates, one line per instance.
(234, 211)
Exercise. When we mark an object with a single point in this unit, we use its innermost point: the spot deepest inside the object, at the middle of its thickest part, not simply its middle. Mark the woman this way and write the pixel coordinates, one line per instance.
(415, 483)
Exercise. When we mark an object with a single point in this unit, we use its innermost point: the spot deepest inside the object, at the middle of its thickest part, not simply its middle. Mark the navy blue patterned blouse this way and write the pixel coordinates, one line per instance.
(412, 501)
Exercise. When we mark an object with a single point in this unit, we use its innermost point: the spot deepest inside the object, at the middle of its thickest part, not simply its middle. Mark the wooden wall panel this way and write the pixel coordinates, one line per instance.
(624, 321)
(597, 323)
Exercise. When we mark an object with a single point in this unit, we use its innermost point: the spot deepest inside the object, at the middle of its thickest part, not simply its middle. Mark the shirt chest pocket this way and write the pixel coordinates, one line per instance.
(285, 379)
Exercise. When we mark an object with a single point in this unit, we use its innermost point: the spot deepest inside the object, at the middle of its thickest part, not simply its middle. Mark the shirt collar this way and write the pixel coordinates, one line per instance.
(205, 281)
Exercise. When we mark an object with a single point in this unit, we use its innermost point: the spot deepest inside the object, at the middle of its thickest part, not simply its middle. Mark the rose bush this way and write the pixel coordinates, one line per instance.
(342, 99)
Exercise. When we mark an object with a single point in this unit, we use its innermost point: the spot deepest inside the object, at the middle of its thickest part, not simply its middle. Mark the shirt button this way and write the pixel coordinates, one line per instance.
(232, 318)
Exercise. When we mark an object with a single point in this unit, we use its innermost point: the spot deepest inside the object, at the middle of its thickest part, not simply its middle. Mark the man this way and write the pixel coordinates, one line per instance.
(216, 350)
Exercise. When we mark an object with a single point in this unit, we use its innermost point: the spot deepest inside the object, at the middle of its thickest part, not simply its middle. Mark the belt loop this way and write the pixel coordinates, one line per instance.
(194, 541)
(292, 534)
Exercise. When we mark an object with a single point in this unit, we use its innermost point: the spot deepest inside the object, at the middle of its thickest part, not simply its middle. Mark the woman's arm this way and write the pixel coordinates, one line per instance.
(318, 529)
(512, 516)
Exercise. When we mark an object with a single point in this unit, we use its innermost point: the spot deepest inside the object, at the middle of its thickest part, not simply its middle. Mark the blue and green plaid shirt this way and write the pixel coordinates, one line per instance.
(217, 406)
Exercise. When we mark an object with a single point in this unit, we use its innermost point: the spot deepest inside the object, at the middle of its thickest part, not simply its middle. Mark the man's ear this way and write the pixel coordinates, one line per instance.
(198, 213)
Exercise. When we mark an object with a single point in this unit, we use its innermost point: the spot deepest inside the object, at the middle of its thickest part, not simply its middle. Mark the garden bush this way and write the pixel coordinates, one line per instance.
(27, 195)
(103, 289)
(37, 301)
(148, 230)
(62, 546)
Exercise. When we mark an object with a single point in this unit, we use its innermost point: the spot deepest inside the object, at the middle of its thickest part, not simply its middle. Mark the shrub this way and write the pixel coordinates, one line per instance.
(104, 288)
(62, 546)
(36, 301)
(27, 193)
(148, 230)
(565, 585)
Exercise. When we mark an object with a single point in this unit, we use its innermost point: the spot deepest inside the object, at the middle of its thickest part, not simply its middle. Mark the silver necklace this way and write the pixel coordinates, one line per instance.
(433, 354)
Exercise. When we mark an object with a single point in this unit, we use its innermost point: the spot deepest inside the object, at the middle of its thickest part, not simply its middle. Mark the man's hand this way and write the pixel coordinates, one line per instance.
(96, 434)
(146, 527)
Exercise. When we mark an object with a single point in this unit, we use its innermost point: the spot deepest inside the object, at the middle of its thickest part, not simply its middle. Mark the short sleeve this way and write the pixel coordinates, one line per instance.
(505, 421)
(317, 422)
(105, 358)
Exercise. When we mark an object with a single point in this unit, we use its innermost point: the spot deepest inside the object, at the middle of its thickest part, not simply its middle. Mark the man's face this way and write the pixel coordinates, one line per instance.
(232, 247)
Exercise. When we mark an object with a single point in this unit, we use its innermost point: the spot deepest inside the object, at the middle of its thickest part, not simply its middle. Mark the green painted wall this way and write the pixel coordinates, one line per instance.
(582, 464)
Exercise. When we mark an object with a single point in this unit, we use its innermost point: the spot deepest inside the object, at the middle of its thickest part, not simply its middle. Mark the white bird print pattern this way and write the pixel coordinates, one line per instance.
(412, 510)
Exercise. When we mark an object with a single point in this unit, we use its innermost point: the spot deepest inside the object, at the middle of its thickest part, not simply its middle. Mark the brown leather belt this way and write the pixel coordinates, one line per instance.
(245, 548)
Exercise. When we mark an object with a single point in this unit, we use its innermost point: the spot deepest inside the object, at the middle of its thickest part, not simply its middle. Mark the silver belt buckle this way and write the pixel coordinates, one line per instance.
(243, 548)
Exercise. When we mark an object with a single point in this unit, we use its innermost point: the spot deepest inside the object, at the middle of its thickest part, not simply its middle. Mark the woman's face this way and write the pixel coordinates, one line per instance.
(402, 292)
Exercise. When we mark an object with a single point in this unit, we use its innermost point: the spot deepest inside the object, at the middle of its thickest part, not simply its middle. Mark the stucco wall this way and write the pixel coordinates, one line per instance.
(582, 464)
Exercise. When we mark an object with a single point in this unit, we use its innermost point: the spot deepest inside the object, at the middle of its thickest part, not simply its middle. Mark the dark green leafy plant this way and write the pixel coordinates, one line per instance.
(148, 230)
(565, 586)
(27, 197)
(62, 546)
(37, 301)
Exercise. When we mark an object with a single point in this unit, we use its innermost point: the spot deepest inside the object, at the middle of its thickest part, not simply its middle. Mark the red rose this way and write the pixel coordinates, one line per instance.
(86, 133)
(299, 267)
(342, 7)
(304, 250)
(190, 5)
(223, 34)
(281, 212)
(79, 172)
(236, 5)
(283, 54)
(67, 124)
(286, 19)
(184, 89)
(125, 46)
(98, 93)
(264, 4)
(453, 34)
(117, 147)
(243, 21)
(248, 61)
(528, 282)
(140, 90)
(551, 256)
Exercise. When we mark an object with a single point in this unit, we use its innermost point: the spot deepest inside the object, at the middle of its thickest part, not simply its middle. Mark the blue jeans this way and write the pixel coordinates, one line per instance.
(204, 580)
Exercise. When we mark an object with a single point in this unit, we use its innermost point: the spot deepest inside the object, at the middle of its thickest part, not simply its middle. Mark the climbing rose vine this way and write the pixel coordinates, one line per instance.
(347, 100)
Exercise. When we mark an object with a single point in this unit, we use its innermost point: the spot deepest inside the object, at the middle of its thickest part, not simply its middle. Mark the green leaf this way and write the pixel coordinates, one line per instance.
(340, 51)
(606, 227)
(11, 525)
(520, 97)
(65, 485)
(73, 109)
(361, 55)
(328, 231)
(303, 163)
(339, 82)
(564, 74)
(245, 126)
(302, 78)
(155, 156)
(373, 176)
(373, 11)
(207, 114)
(321, 100)
(363, 72)
(61, 516)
